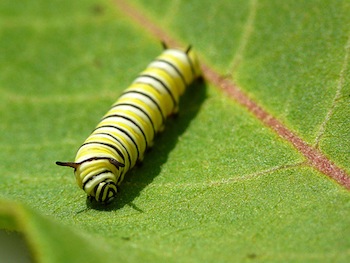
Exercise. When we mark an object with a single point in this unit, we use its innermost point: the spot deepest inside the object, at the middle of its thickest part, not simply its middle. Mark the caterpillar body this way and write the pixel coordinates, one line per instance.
(129, 127)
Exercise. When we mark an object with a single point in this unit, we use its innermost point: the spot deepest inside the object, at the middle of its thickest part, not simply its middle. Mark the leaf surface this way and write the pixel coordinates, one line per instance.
(218, 185)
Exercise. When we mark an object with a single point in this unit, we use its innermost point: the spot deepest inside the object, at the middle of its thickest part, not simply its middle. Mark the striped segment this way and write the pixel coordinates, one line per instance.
(124, 133)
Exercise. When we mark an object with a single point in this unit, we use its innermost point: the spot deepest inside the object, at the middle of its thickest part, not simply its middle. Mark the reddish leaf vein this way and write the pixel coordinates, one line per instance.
(315, 158)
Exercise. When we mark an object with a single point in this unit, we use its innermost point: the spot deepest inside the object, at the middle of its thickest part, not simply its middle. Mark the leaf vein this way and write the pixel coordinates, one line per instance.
(248, 30)
(337, 95)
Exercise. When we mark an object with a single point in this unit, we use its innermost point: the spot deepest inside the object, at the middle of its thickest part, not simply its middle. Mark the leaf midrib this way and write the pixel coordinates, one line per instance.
(315, 158)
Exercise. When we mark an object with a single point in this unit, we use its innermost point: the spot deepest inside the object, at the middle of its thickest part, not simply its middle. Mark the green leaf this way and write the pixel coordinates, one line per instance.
(48, 239)
(218, 185)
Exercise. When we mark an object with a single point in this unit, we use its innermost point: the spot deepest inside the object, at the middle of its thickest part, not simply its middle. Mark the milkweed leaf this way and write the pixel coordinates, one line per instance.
(219, 184)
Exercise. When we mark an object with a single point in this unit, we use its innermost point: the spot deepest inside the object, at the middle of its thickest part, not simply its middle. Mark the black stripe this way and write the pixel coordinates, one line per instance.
(162, 83)
(120, 179)
(121, 143)
(105, 144)
(100, 196)
(123, 131)
(189, 62)
(127, 118)
(175, 68)
(111, 160)
(146, 95)
(93, 177)
(110, 190)
(103, 190)
(139, 108)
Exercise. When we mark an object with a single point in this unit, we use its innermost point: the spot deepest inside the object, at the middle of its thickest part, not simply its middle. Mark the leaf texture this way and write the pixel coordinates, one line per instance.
(219, 185)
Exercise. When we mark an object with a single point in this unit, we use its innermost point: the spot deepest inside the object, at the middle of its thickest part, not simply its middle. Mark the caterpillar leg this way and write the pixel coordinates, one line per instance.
(150, 145)
(161, 128)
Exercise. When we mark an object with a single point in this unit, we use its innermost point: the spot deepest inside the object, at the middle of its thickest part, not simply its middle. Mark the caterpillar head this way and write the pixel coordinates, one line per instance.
(103, 192)
(97, 176)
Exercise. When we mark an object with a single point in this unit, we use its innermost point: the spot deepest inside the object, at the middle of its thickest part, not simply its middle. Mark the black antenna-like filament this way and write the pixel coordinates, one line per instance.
(75, 165)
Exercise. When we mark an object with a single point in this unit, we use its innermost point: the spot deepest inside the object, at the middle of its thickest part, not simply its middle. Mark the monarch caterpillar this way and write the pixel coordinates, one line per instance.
(128, 128)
